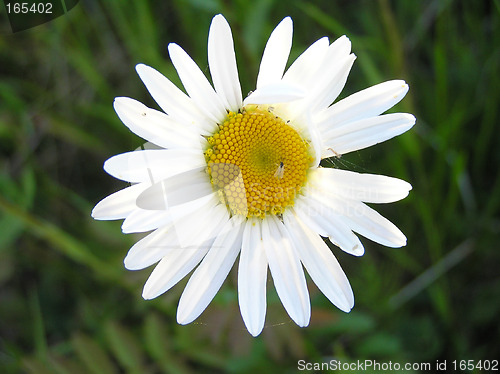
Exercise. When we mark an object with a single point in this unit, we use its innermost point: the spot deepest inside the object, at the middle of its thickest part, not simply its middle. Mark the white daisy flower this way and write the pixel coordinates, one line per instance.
(222, 176)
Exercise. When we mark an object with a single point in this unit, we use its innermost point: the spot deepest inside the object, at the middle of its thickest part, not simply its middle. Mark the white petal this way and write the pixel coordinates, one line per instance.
(153, 165)
(222, 62)
(200, 224)
(307, 213)
(320, 263)
(179, 189)
(340, 48)
(171, 99)
(152, 248)
(174, 266)
(337, 56)
(335, 77)
(369, 223)
(362, 219)
(213, 270)
(370, 188)
(202, 227)
(367, 103)
(364, 133)
(304, 67)
(275, 93)
(141, 220)
(328, 78)
(252, 278)
(276, 54)
(183, 215)
(196, 84)
(286, 271)
(155, 126)
(326, 222)
(120, 204)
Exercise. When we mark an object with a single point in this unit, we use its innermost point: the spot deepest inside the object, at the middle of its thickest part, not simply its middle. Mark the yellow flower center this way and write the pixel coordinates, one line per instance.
(257, 163)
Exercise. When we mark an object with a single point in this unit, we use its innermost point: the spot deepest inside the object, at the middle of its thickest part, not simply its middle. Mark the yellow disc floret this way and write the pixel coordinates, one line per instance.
(257, 162)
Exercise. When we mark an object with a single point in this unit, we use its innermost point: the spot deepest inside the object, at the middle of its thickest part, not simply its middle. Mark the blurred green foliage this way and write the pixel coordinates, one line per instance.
(68, 306)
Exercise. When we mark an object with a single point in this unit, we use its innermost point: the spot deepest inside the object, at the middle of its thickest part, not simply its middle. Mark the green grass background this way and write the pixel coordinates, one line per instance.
(67, 305)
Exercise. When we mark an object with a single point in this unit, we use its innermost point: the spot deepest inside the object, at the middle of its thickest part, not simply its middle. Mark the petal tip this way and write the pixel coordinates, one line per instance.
(303, 323)
(398, 242)
(347, 307)
(358, 251)
(140, 66)
(143, 70)
(117, 103)
(99, 214)
(255, 330)
(343, 41)
(219, 17)
(183, 318)
(95, 212)
(128, 263)
(126, 229)
(120, 100)
(146, 294)
(173, 48)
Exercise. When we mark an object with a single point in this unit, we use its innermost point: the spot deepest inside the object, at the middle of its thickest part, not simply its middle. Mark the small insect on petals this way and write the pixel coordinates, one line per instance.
(280, 171)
